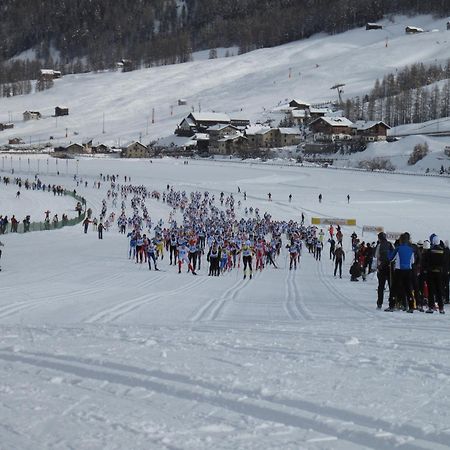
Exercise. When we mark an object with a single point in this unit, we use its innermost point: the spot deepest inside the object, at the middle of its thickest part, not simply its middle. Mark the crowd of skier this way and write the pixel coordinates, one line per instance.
(209, 232)
(11, 224)
(223, 235)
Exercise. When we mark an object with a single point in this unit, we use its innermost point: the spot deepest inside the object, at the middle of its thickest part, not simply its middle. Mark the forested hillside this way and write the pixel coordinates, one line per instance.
(414, 94)
(93, 35)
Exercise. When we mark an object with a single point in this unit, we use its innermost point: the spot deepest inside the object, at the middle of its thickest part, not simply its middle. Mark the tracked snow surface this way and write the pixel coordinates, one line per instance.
(97, 351)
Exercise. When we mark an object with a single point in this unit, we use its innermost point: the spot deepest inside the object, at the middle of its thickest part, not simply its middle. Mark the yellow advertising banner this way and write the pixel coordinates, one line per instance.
(328, 221)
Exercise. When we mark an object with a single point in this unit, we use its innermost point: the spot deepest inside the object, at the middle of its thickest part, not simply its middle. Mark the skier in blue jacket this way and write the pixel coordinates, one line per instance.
(403, 257)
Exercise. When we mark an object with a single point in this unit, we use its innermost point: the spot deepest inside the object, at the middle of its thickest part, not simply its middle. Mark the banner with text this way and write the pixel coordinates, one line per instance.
(372, 229)
(393, 235)
(327, 221)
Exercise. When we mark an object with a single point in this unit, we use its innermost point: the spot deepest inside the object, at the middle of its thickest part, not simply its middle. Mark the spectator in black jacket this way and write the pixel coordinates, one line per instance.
(434, 266)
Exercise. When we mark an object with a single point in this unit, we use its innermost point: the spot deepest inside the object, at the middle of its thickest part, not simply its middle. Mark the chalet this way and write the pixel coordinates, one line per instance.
(61, 111)
(186, 127)
(413, 30)
(315, 113)
(239, 120)
(182, 102)
(101, 148)
(297, 116)
(267, 137)
(74, 149)
(220, 132)
(202, 140)
(300, 112)
(370, 131)
(126, 65)
(15, 141)
(262, 137)
(231, 145)
(289, 136)
(135, 150)
(32, 115)
(374, 26)
(200, 122)
(6, 126)
(299, 104)
(331, 128)
(49, 74)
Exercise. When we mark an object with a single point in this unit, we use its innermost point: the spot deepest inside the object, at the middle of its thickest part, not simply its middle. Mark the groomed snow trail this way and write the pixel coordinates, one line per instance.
(97, 351)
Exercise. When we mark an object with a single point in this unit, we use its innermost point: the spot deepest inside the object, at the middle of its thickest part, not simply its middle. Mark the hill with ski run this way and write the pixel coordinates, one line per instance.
(115, 107)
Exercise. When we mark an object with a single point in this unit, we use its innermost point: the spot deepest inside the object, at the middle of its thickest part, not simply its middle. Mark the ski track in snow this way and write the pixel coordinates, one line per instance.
(211, 310)
(334, 291)
(116, 312)
(98, 351)
(294, 303)
(333, 422)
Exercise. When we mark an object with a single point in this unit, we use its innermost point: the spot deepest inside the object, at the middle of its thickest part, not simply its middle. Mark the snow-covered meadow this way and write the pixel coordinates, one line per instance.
(115, 107)
(98, 352)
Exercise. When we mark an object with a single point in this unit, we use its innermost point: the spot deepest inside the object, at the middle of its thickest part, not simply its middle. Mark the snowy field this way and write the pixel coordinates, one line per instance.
(98, 352)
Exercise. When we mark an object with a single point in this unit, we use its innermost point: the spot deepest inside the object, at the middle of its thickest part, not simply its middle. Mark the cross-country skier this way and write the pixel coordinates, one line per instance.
(247, 253)
(151, 254)
(293, 249)
(213, 258)
(184, 258)
(339, 257)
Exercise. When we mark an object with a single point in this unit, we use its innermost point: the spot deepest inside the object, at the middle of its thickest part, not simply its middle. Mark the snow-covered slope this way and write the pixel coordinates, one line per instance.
(398, 154)
(98, 352)
(250, 83)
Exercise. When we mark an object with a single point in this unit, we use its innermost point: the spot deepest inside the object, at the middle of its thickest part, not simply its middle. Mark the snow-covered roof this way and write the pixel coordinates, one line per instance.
(201, 137)
(363, 125)
(300, 102)
(129, 144)
(298, 113)
(62, 107)
(220, 126)
(188, 121)
(210, 117)
(420, 30)
(239, 116)
(292, 131)
(231, 138)
(74, 144)
(318, 110)
(335, 121)
(258, 130)
(47, 71)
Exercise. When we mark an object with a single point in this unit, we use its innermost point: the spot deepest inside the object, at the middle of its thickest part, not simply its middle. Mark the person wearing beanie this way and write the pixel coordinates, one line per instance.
(435, 240)
(433, 269)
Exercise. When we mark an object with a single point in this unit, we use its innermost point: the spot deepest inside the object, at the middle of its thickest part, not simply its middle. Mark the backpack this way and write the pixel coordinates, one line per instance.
(384, 249)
